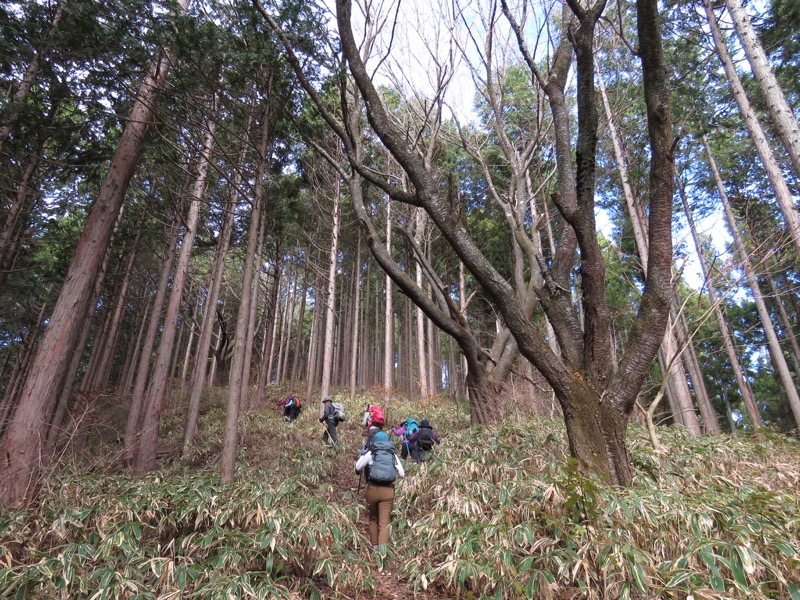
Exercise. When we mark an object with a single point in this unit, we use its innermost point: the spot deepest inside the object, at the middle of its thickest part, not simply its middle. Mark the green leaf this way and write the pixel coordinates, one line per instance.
(679, 578)
(639, 578)
(748, 559)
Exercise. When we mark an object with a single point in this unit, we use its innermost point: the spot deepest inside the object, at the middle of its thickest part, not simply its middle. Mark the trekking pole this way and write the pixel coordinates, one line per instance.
(360, 473)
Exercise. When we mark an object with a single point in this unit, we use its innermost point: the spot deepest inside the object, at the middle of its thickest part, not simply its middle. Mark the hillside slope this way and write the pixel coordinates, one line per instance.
(500, 512)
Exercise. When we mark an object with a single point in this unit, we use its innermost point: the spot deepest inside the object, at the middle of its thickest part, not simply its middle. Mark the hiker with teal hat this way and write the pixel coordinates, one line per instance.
(379, 463)
(406, 430)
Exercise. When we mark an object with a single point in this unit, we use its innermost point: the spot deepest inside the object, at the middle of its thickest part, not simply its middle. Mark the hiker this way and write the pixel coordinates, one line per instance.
(329, 418)
(381, 467)
(291, 407)
(424, 438)
(405, 430)
(373, 421)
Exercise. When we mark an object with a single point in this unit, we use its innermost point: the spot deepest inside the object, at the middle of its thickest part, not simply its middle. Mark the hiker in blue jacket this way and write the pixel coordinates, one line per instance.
(381, 467)
(424, 438)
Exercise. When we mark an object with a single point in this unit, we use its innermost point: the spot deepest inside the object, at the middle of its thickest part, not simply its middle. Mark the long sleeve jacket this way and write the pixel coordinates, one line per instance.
(329, 413)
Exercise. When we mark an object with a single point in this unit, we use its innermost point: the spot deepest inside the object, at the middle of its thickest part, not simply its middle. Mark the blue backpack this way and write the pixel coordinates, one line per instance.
(411, 426)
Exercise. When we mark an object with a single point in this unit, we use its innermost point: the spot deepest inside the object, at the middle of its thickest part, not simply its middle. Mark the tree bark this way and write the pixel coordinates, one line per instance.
(200, 369)
(103, 371)
(298, 346)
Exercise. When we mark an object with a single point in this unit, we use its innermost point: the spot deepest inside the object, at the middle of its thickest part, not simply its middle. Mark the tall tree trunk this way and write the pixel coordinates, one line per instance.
(330, 296)
(239, 375)
(356, 321)
(271, 325)
(281, 320)
(154, 399)
(316, 325)
(21, 446)
(200, 369)
(716, 306)
(432, 347)
(298, 346)
(290, 327)
(12, 228)
(187, 355)
(57, 421)
(778, 359)
(388, 315)
(366, 355)
(134, 348)
(103, 372)
(9, 402)
(678, 393)
(239, 382)
(776, 179)
(252, 328)
(710, 421)
(779, 111)
(422, 363)
(131, 440)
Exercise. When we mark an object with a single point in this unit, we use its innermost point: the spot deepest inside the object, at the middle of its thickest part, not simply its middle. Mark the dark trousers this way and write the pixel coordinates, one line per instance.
(291, 412)
(409, 448)
(330, 432)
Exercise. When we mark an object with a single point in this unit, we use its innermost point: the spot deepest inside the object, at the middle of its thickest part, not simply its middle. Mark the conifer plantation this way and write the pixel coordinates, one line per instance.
(565, 232)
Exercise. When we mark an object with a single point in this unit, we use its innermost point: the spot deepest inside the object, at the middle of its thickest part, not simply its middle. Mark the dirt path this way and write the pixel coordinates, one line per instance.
(388, 584)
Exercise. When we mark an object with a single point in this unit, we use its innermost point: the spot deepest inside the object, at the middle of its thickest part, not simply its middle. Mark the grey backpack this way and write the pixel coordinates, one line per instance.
(382, 469)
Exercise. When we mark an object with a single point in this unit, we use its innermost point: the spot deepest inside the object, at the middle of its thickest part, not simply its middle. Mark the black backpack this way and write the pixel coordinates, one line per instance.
(425, 439)
(382, 469)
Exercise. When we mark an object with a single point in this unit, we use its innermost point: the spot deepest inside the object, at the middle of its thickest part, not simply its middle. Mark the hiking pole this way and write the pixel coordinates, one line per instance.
(360, 473)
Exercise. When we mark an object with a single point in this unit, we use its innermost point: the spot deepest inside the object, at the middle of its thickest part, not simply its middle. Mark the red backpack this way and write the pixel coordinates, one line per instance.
(375, 416)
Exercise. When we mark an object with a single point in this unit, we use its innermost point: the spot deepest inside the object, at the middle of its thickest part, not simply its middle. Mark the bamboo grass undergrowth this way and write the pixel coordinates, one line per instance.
(500, 512)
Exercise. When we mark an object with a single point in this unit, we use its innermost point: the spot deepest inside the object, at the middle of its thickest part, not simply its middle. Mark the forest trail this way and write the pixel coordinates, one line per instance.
(345, 488)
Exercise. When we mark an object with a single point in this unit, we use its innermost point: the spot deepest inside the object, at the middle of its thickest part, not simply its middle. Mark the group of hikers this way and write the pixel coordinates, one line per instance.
(377, 461)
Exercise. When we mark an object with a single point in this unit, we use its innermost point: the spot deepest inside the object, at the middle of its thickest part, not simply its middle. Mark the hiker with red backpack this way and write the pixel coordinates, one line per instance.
(424, 438)
(373, 420)
(379, 463)
(405, 430)
(291, 407)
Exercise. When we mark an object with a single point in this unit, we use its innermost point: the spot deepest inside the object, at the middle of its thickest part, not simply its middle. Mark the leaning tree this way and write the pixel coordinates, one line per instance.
(597, 395)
